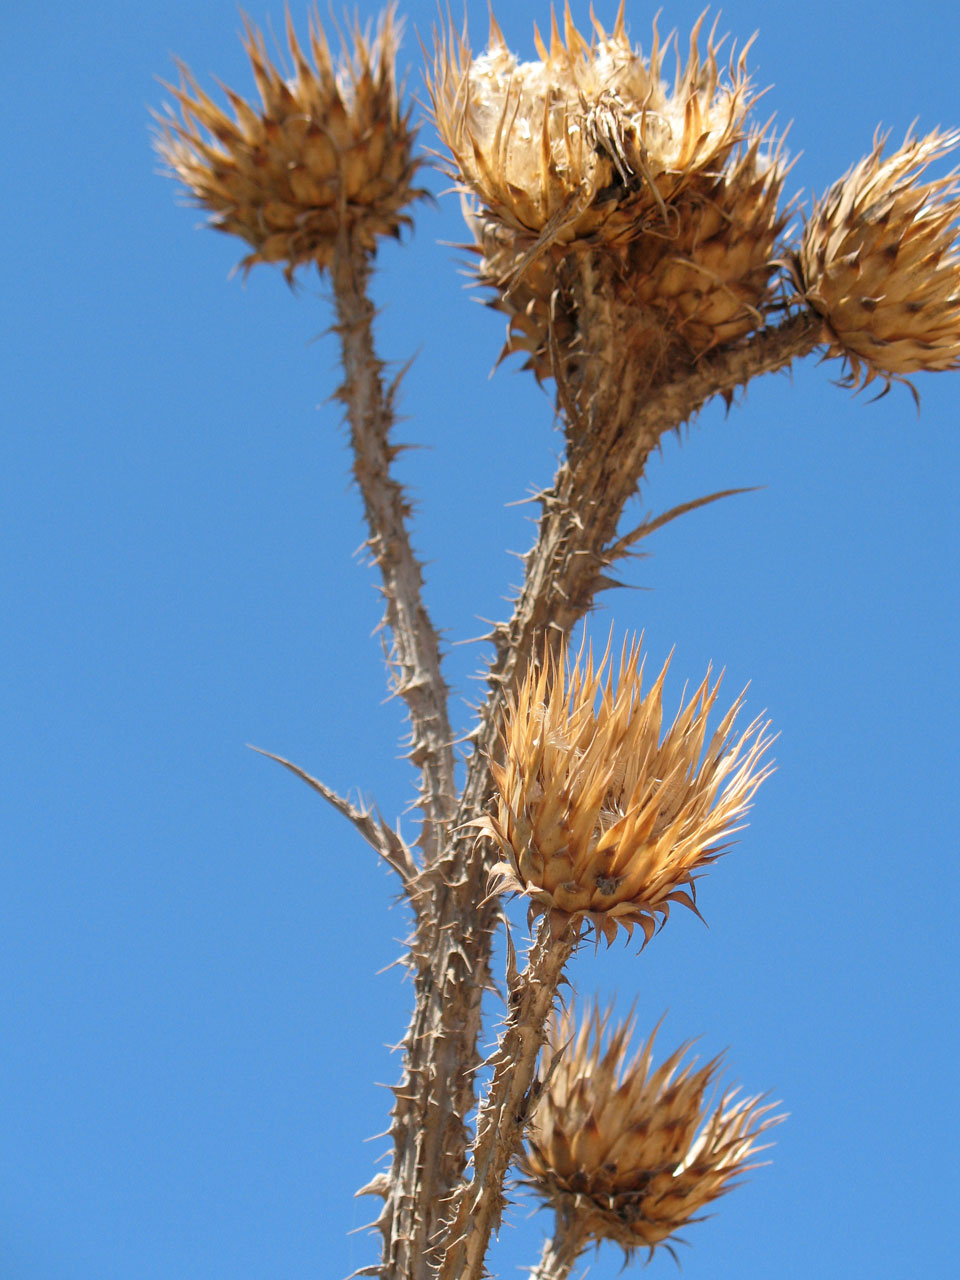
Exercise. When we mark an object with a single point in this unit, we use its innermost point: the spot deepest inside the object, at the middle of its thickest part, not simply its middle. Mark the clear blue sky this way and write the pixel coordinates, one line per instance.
(194, 1022)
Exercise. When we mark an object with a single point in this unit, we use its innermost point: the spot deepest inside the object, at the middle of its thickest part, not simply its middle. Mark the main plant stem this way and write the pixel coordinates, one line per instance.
(451, 950)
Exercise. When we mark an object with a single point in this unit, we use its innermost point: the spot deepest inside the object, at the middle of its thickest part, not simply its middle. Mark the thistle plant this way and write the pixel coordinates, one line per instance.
(634, 234)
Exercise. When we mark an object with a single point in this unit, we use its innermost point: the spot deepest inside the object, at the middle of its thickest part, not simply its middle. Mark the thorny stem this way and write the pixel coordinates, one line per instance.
(560, 1253)
(451, 950)
(429, 1072)
(451, 959)
(478, 1204)
(415, 648)
(582, 508)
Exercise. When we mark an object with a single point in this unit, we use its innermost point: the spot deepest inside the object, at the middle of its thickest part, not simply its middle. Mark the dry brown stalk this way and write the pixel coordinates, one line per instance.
(370, 413)
(314, 174)
(577, 541)
(450, 958)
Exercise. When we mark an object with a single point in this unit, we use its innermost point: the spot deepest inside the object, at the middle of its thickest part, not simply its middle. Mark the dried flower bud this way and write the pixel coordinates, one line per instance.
(628, 1153)
(599, 818)
(880, 262)
(326, 152)
(586, 163)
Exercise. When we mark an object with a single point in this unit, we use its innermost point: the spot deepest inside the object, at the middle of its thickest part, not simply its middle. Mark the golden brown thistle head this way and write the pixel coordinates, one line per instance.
(588, 151)
(325, 153)
(880, 262)
(629, 1153)
(600, 815)
(588, 142)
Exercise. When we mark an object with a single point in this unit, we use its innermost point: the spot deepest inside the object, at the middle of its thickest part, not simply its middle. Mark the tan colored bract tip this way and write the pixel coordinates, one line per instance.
(325, 152)
(589, 152)
(630, 1153)
(596, 816)
(880, 262)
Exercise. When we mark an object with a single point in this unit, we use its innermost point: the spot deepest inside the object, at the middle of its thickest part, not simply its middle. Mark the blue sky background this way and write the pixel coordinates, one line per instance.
(194, 1015)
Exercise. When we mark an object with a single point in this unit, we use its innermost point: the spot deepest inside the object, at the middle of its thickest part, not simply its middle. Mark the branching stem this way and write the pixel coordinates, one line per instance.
(374, 830)
(451, 951)
(478, 1204)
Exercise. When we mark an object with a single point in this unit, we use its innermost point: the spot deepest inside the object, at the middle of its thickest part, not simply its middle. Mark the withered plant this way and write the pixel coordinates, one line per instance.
(633, 231)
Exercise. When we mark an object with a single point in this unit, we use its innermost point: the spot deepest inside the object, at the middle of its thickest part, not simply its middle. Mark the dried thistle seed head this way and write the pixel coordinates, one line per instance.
(600, 815)
(630, 1153)
(880, 261)
(586, 165)
(588, 142)
(324, 153)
